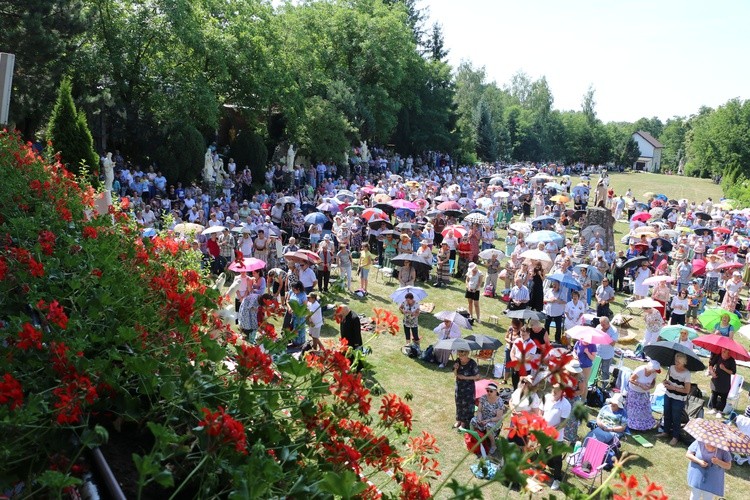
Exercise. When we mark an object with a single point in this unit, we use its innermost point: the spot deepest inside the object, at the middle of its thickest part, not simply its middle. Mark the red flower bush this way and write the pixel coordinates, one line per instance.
(11, 392)
(254, 364)
(393, 410)
(226, 429)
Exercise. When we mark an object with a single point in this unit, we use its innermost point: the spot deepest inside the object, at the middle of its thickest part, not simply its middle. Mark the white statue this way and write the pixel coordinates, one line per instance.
(208, 167)
(219, 173)
(109, 172)
(364, 152)
(290, 153)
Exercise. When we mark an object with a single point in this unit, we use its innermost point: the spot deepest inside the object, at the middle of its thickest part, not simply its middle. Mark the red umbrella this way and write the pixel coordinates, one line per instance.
(730, 265)
(480, 387)
(422, 203)
(726, 249)
(642, 217)
(641, 247)
(374, 213)
(715, 343)
(449, 205)
(722, 230)
(313, 256)
(367, 189)
(699, 267)
(455, 230)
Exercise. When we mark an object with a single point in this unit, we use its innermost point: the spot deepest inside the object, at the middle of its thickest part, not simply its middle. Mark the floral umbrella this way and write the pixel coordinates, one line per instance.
(719, 434)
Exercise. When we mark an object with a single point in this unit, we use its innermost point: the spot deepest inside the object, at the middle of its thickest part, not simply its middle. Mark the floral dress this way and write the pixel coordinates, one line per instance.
(465, 391)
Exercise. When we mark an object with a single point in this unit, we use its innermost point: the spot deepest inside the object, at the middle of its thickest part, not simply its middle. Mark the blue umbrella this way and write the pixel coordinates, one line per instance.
(315, 218)
(478, 211)
(404, 212)
(662, 197)
(593, 272)
(327, 206)
(544, 219)
(149, 232)
(565, 280)
(545, 237)
(641, 205)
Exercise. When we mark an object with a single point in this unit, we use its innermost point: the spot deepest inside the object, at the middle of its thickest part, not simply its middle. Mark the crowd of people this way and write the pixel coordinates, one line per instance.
(430, 222)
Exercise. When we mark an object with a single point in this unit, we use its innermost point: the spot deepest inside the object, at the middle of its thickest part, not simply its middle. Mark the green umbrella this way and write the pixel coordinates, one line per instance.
(672, 333)
(712, 317)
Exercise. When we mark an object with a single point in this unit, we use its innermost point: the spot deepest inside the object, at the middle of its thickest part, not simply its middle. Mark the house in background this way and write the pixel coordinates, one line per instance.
(650, 159)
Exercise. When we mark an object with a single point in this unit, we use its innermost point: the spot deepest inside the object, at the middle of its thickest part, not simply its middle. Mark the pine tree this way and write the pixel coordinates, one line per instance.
(486, 137)
(69, 132)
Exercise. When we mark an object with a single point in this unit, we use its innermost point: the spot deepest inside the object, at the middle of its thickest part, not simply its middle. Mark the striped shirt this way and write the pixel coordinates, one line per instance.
(519, 294)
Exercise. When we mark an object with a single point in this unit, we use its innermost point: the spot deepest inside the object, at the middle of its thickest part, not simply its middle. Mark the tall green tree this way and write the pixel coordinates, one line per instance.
(486, 135)
(673, 139)
(69, 133)
(588, 105)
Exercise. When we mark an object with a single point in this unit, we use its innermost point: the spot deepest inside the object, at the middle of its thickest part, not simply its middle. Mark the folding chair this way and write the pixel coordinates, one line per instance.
(589, 461)
(489, 355)
(385, 272)
(594, 376)
(735, 390)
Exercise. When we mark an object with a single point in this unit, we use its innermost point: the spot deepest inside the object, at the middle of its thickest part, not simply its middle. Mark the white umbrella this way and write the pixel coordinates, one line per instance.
(521, 227)
(501, 194)
(455, 317)
(187, 227)
(644, 303)
(400, 294)
(477, 218)
(247, 229)
(487, 254)
(213, 229)
(536, 255)
(658, 279)
(484, 202)
(669, 233)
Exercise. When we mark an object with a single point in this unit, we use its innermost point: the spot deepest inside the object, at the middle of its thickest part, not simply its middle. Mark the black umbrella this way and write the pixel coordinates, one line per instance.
(635, 261)
(702, 215)
(664, 352)
(376, 223)
(666, 245)
(385, 207)
(525, 314)
(457, 345)
(485, 342)
(703, 231)
(458, 214)
(391, 232)
(417, 262)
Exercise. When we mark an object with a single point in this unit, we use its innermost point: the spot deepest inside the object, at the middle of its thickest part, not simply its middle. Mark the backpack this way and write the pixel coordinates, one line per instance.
(411, 351)
(428, 356)
(596, 397)
(489, 291)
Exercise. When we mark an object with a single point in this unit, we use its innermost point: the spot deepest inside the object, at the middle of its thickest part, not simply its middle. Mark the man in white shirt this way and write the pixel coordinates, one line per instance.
(556, 412)
(315, 321)
(307, 277)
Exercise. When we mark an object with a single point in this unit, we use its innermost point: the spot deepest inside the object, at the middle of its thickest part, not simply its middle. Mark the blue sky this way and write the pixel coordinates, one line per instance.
(644, 58)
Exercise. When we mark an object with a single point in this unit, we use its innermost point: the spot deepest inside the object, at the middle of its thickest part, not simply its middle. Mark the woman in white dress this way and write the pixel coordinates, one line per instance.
(640, 290)
(574, 309)
(654, 322)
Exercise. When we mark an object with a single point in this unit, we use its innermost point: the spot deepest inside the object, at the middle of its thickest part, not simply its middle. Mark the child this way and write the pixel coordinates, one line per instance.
(695, 297)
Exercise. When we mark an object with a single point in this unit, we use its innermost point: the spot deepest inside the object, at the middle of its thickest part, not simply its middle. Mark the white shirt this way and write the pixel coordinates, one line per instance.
(317, 313)
(555, 412)
(307, 278)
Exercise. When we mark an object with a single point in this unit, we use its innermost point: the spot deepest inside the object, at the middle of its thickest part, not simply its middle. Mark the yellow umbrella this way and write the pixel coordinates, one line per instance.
(412, 183)
(188, 227)
(382, 198)
(560, 198)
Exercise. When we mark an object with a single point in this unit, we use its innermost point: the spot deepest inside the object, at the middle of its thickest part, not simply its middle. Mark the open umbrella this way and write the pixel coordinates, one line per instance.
(376, 223)
(521, 227)
(457, 345)
(669, 233)
(449, 205)
(591, 271)
(246, 265)
(403, 204)
(545, 237)
(664, 351)
(722, 230)
(542, 220)
(373, 213)
(381, 198)
(726, 249)
(212, 230)
(558, 197)
(487, 254)
(715, 343)
(566, 280)
(484, 341)
(666, 245)
(718, 434)
(391, 232)
(525, 314)
(299, 257)
(712, 317)
(287, 199)
(399, 295)
(477, 218)
(589, 335)
(385, 207)
(328, 206)
(730, 265)
(455, 317)
(458, 214)
(480, 386)
(635, 261)
(702, 215)
(589, 231)
(703, 231)
(644, 303)
(653, 280)
(455, 230)
(745, 331)
(417, 262)
(187, 227)
(314, 257)
(315, 218)
(407, 226)
(642, 217)
(672, 332)
(699, 267)
(535, 254)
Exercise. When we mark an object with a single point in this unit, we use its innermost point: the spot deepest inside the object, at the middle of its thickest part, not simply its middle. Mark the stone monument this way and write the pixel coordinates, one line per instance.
(290, 154)
(109, 172)
(597, 216)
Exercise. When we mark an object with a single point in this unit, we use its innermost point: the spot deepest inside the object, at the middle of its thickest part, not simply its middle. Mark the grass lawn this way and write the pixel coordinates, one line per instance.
(432, 389)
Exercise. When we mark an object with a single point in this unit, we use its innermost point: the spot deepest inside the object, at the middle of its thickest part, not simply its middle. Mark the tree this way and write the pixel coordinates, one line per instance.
(69, 132)
(589, 104)
(629, 153)
(673, 139)
(653, 126)
(325, 130)
(486, 135)
(435, 44)
(520, 87)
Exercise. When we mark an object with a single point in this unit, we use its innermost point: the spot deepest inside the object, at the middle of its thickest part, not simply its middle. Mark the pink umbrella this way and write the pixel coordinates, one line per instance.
(374, 213)
(730, 265)
(449, 205)
(589, 335)
(480, 387)
(517, 180)
(699, 267)
(653, 280)
(403, 204)
(246, 265)
(715, 343)
(313, 256)
(455, 230)
(422, 203)
(367, 189)
(642, 217)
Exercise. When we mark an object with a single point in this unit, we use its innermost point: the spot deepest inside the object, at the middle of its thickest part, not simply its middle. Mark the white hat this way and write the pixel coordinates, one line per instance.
(655, 365)
(574, 366)
(327, 237)
(616, 399)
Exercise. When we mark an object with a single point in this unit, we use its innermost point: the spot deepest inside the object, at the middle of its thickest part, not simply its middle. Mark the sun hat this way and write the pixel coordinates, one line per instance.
(574, 366)
(492, 386)
(425, 242)
(616, 399)
(404, 235)
(327, 237)
(655, 365)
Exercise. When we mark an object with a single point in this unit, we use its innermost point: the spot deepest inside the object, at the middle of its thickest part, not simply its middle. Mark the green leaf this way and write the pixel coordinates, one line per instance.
(91, 438)
(344, 485)
(296, 367)
(56, 480)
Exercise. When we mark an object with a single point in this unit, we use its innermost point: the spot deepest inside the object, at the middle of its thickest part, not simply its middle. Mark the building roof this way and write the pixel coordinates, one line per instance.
(650, 139)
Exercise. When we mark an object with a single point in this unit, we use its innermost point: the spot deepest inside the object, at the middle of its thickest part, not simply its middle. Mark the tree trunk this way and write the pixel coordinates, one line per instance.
(596, 216)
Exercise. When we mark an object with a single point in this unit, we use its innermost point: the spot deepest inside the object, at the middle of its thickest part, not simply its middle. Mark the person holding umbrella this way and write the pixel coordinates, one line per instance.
(445, 330)
(466, 371)
(732, 294)
(607, 351)
(605, 294)
(678, 387)
(554, 308)
(721, 367)
(706, 468)
(410, 309)
(639, 289)
(679, 305)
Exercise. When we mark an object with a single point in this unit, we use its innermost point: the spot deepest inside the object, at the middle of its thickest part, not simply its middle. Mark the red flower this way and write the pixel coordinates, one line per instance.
(524, 424)
(96, 272)
(426, 443)
(182, 304)
(628, 489)
(221, 425)
(393, 410)
(71, 397)
(36, 268)
(55, 313)
(348, 387)
(11, 392)
(90, 232)
(3, 268)
(254, 364)
(47, 242)
(343, 454)
(527, 357)
(386, 321)
(413, 488)
(29, 337)
(536, 474)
